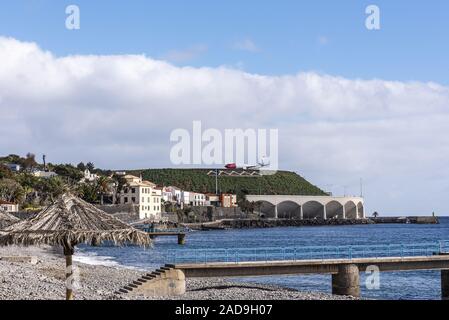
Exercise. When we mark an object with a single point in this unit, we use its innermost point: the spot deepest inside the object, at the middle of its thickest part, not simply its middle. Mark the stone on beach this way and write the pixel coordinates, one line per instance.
(46, 281)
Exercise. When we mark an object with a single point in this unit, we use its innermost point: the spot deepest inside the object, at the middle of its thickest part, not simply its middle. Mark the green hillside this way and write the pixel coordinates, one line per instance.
(283, 182)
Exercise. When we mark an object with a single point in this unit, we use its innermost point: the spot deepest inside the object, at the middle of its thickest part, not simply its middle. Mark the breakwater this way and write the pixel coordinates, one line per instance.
(276, 223)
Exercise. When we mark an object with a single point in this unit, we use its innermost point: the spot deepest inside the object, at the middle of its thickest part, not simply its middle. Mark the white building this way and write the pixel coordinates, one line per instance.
(197, 199)
(9, 206)
(144, 195)
(13, 167)
(169, 194)
(184, 198)
(212, 199)
(88, 176)
(44, 174)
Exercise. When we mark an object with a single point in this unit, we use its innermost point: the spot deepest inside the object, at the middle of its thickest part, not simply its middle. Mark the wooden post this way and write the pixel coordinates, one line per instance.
(68, 253)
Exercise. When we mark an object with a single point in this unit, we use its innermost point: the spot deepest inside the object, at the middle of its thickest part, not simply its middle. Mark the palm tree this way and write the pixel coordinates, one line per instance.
(375, 214)
(103, 186)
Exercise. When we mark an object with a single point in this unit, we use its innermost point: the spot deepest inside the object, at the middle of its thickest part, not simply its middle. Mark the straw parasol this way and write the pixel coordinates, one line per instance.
(68, 222)
(7, 219)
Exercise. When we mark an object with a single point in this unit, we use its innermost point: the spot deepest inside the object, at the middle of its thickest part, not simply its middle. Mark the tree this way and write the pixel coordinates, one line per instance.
(30, 185)
(88, 192)
(81, 166)
(11, 190)
(90, 166)
(69, 171)
(51, 188)
(30, 161)
(375, 214)
(5, 172)
(103, 187)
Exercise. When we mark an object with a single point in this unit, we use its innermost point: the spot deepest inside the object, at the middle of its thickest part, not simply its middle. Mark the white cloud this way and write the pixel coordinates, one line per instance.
(246, 45)
(118, 111)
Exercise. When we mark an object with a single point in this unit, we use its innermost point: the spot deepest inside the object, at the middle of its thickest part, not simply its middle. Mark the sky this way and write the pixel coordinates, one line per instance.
(348, 102)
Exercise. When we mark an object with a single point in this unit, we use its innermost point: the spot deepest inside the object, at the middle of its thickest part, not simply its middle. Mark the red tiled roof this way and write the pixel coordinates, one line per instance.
(6, 202)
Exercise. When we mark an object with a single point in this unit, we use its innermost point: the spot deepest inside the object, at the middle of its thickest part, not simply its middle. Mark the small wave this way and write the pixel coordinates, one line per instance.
(94, 259)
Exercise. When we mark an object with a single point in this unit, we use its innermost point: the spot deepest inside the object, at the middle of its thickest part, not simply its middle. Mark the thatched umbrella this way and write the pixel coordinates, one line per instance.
(7, 219)
(68, 222)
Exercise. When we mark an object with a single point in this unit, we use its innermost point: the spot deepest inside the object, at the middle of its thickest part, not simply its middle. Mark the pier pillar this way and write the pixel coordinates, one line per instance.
(357, 212)
(181, 239)
(275, 211)
(445, 284)
(344, 212)
(347, 281)
(301, 213)
(324, 212)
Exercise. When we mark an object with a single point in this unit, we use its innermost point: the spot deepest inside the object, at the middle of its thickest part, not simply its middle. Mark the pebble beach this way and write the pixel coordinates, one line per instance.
(43, 278)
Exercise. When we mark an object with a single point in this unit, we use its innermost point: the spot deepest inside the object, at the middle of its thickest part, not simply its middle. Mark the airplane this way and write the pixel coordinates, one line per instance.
(261, 164)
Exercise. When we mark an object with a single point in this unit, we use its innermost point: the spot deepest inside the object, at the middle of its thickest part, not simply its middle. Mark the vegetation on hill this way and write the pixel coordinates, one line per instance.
(283, 182)
(30, 191)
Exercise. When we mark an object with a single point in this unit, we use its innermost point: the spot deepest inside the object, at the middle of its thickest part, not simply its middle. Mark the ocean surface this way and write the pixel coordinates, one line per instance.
(393, 285)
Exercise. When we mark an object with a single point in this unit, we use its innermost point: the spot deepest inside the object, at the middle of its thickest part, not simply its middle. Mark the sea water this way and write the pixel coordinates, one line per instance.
(393, 285)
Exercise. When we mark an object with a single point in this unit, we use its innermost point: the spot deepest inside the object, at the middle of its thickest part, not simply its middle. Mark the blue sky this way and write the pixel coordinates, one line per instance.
(288, 36)
(349, 103)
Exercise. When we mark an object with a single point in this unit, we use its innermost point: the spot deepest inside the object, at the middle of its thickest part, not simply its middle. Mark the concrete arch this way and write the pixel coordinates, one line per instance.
(289, 210)
(361, 210)
(313, 209)
(265, 209)
(334, 210)
(350, 210)
(315, 206)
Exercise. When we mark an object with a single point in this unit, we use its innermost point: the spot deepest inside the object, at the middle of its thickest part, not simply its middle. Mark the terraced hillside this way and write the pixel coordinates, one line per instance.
(283, 182)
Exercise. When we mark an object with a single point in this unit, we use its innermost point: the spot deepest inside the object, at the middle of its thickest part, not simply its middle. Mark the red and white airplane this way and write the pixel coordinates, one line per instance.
(233, 166)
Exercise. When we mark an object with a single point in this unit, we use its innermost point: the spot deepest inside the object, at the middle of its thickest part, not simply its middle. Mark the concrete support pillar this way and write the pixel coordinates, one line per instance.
(347, 281)
(344, 212)
(181, 239)
(357, 212)
(445, 284)
(276, 211)
(301, 213)
(324, 212)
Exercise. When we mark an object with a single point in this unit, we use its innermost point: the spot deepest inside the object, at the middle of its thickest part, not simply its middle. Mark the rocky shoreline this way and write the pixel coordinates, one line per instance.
(44, 279)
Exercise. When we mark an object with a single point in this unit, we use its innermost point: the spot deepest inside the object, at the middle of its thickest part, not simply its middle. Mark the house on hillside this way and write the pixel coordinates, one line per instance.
(44, 174)
(228, 200)
(89, 177)
(171, 194)
(9, 207)
(212, 199)
(13, 167)
(184, 199)
(197, 199)
(144, 195)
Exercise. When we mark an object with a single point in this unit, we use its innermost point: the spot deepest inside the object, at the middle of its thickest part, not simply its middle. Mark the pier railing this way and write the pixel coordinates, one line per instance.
(266, 254)
(166, 230)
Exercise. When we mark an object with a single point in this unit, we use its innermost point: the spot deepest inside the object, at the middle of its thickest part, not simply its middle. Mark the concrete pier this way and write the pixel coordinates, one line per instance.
(445, 284)
(345, 272)
(347, 281)
(180, 235)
